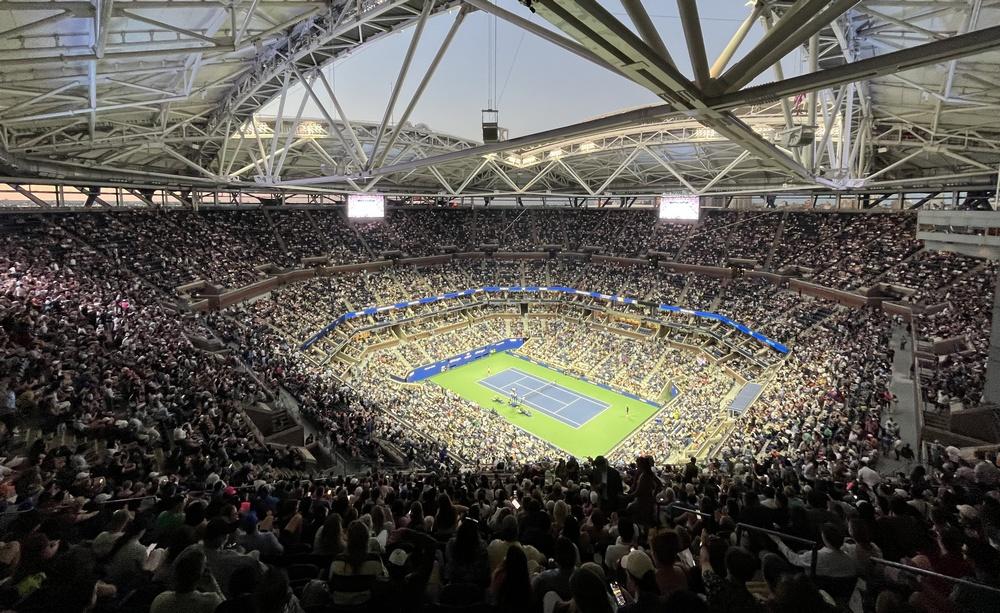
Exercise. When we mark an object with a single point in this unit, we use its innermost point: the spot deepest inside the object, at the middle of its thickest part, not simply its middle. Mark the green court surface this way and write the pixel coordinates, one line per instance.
(596, 436)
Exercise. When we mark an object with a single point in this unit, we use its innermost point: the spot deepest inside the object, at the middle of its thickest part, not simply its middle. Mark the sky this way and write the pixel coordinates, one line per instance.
(539, 86)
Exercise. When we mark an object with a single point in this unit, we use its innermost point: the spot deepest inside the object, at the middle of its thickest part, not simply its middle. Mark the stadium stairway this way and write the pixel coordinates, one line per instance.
(777, 241)
(901, 385)
(687, 284)
(364, 243)
(714, 305)
(274, 230)
(678, 257)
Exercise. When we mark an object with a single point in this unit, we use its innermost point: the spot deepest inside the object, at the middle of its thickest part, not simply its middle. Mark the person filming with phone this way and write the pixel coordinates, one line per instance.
(641, 591)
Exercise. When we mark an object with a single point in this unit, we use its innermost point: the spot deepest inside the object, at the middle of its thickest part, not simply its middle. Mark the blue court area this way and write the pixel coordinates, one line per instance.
(571, 408)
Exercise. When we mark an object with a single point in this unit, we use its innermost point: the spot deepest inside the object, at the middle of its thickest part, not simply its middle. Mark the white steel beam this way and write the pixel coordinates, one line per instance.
(351, 132)
(282, 151)
(734, 43)
(277, 126)
(614, 175)
(894, 165)
(48, 20)
(472, 175)
(184, 160)
(172, 28)
(102, 16)
(829, 117)
(669, 167)
(544, 33)
(647, 30)
(795, 26)
(695, 41)
(725, 171)
(238, 37)
(958, 46)
(503, 175)
(357, 154)
(92, 89)
(415, 98)
(403, 70)
(276, 174)
(437, 175)
(40, 97)
(539, 176)
(571, 173)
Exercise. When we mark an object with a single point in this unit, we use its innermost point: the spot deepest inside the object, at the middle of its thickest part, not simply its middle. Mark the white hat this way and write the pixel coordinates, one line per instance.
(398, 557)
(637, 563)
(967, 511)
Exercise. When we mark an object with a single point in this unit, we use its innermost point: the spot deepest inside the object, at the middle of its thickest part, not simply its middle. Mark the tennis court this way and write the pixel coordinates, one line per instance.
(571, 408)
(580, 417)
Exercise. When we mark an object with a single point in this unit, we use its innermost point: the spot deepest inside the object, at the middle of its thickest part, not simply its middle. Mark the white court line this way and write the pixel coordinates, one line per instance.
(542, 409)
(578, 395)
(602, 406)
(511, 383)
(534, 390)
(557, 413)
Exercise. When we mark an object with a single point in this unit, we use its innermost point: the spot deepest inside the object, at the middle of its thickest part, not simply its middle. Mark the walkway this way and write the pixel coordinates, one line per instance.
(902, 386)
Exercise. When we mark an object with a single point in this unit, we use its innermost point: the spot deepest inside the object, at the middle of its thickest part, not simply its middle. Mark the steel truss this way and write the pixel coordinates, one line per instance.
(894, 94)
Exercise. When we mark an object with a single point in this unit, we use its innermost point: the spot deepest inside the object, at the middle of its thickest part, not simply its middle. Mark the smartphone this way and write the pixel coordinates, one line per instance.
(514, 503)
(619, 593)
(150, 549)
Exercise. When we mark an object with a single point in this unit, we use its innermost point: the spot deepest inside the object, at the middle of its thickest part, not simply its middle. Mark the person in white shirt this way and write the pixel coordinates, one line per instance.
(868, 476)
(106, 540)
(625, 543)
(831, 561)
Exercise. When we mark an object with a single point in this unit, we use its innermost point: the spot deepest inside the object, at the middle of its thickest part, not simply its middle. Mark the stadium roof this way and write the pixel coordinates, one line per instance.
(906, 95)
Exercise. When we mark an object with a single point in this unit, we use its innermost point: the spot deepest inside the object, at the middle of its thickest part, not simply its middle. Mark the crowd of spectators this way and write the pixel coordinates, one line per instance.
(133, 480)
(868, 250)
(959, 312)
(226, 247)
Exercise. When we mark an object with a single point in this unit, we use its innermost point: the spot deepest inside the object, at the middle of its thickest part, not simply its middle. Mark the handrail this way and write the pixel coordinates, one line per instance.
(930, 573)
(740, 527)
(815, 544)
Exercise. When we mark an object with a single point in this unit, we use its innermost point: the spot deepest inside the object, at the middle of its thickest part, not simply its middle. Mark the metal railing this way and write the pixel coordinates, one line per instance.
(816, 545)
(741, 527)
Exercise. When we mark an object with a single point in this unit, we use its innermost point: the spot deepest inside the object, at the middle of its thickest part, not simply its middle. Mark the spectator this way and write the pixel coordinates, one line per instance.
(670, 573)
(354, 572)
(187, 574)
(465, 556)
(510, 590)
(831, 561)
(507, 539)
(640, 584)
(254, 540)
(729, 593)
(105, 540)
(557, 579)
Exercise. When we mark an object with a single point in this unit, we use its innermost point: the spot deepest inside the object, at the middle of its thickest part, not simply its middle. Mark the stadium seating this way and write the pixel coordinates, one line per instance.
(149, 447)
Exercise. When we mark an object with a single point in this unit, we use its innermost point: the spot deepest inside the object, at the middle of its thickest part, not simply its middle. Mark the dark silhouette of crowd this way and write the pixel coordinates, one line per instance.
(133, 479)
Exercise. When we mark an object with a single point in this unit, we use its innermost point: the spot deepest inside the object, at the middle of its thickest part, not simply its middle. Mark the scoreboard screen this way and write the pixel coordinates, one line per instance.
(679, 207)
(366, 206)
